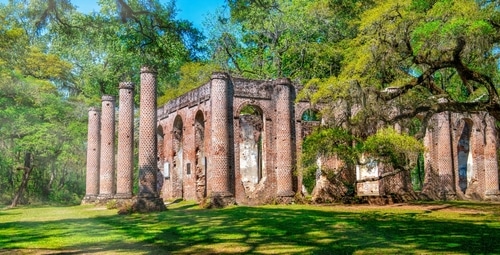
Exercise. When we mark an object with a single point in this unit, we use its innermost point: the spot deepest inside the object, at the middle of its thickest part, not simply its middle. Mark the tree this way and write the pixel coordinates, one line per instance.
(111, 45)
(417, 57)
(193, 75)
(409, 60)
(274, 38)
(386, 146)
(41, 130)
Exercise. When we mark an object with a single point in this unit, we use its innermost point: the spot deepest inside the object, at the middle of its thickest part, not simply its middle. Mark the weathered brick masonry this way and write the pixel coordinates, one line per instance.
(236, 141)
(461, 158)
(93, 155)
(212, 147)
(148, 198)
(107, 163)
(125, 157)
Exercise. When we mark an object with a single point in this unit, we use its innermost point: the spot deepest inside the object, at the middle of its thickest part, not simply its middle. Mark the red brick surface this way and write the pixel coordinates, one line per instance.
(93, 155)
(107, 161)
(147, 134)
(125, 157)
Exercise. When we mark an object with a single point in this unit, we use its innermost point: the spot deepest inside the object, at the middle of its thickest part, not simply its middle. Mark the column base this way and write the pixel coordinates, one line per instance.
(492, 195)
(89, 199)
(123, 196)
(221, 199)
(102, 199)
(445, 195)
(148, 204)
(286, 197)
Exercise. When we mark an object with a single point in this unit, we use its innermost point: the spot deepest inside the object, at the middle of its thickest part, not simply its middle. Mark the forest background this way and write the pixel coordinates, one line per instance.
(396, 61)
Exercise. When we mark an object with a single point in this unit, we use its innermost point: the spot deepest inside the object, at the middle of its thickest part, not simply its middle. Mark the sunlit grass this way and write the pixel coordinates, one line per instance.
(425, 228)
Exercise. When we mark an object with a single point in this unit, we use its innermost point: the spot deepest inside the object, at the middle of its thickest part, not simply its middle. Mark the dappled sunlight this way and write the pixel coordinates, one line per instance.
(293, 229)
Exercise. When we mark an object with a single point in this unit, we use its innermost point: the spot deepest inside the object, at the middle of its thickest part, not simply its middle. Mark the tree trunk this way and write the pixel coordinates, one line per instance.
(27, 168)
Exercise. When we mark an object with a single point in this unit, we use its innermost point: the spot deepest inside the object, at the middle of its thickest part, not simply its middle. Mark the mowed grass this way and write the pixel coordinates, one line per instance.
(426, 228)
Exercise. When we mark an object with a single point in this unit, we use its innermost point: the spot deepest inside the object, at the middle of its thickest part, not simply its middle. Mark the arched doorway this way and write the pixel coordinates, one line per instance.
(200, 160)
(177, 158)
(159, 160)
(464, 155)
(251, 142)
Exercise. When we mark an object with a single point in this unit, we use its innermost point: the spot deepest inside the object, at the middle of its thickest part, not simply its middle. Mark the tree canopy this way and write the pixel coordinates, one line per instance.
(418, 57)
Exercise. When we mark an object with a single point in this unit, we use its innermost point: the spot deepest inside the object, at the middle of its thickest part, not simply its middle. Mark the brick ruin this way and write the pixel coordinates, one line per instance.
(461, 158)
(234, 140)
(103, 183)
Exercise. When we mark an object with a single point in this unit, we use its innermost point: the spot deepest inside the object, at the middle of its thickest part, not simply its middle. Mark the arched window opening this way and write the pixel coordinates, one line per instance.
(251, 144)
(418, 174)
(464, 156)
(311, 115)
(200, 164)
(177, 157)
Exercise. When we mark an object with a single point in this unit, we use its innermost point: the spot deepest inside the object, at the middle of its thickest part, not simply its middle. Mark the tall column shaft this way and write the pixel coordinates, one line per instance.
(284, 160)
(490, 161)
(444, 155)
(125, 161)
(219, 175)
(93, 155)
(147, 134)
(107, 163)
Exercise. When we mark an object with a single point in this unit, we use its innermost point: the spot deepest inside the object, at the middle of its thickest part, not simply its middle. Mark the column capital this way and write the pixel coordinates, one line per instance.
(94, 109)
(282, 81)
(126, 85)
(219, 76)
(108, 98)
(148, 69)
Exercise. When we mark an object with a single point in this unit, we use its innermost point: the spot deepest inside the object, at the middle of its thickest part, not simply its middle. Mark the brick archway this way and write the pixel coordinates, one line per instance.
(200, 166)
(177, 152)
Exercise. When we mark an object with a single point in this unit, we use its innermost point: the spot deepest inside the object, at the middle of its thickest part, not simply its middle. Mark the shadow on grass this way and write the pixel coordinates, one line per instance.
(282, 230)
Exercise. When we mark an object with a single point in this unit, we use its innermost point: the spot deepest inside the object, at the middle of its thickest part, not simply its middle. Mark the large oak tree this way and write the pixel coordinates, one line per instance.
(418, 57)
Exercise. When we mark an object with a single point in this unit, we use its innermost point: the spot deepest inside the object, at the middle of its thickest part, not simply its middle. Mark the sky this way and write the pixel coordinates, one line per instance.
(195, 11)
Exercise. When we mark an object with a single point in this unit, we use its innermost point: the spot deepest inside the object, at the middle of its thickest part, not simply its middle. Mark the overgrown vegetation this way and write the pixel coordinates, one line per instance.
(386, 146)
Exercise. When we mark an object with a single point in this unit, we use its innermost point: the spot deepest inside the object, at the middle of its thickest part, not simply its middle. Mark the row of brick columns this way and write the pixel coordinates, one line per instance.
(101, 175)
(442, 165)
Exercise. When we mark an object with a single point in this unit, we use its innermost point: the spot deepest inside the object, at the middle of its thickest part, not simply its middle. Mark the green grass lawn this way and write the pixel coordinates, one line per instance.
(430, 228)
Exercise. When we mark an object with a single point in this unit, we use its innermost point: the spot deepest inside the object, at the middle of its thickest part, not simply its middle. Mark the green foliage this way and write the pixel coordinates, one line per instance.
(39, 121)
(326, 143)
(386, 145)
(55, 62)
(193, 75)
(409, 59)
(330, 142)
(395, 148)
(111, 204)
(296, 39)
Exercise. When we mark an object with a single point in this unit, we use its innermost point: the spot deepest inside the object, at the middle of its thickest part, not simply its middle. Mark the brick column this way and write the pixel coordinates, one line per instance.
(148, 199)
(490, 161)
(107, 164)
(125, 161)
(219, 163)
(93, 156)
(283, 129)
(444, 156)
